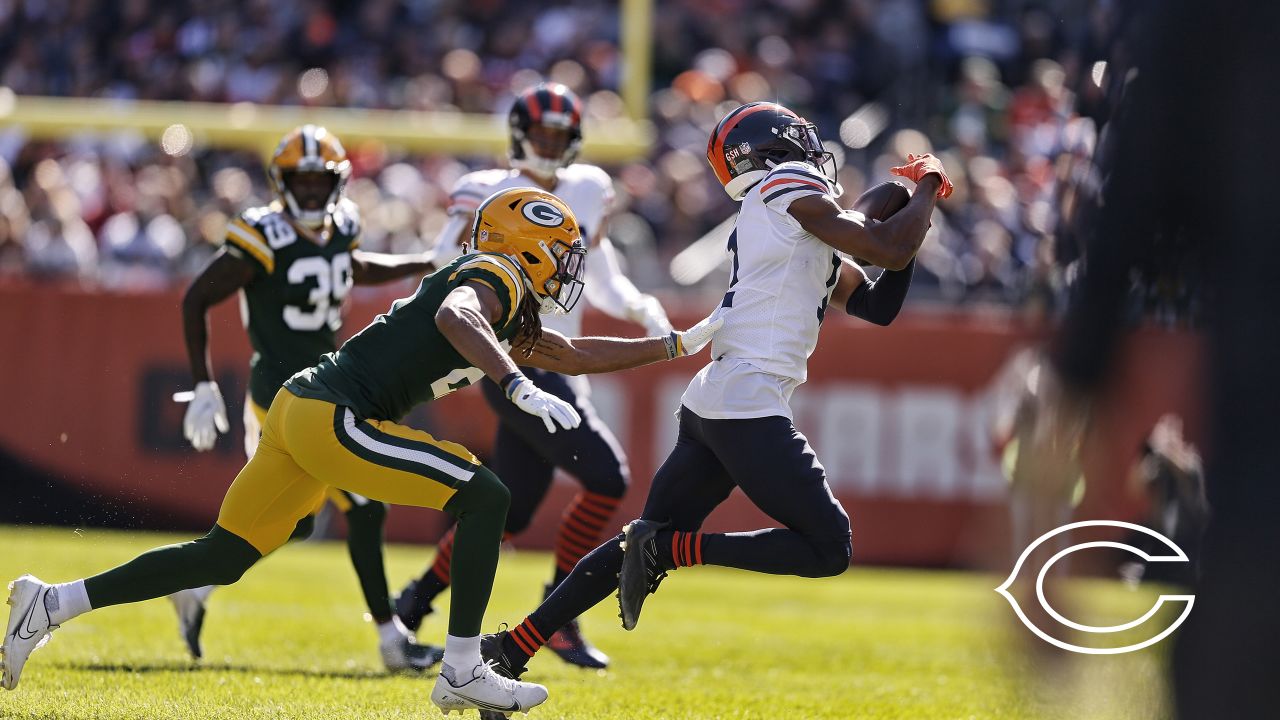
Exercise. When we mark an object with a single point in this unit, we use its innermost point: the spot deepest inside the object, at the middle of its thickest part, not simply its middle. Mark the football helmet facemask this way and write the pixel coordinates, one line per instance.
(546, 129)
(540, 233)
(753, 139)
(309, 172)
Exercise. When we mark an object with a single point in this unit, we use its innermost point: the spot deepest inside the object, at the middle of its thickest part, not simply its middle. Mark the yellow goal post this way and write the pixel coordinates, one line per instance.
(259, 127)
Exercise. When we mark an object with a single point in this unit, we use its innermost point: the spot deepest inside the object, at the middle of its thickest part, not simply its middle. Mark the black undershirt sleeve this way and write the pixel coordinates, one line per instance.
(879, 302)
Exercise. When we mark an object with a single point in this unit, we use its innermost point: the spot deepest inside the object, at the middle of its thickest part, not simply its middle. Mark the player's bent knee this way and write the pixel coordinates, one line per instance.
(227, 556)
(833, 558)
(484, 492)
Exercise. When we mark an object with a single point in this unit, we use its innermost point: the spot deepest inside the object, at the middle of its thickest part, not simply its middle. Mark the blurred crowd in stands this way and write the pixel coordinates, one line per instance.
(1011, 93)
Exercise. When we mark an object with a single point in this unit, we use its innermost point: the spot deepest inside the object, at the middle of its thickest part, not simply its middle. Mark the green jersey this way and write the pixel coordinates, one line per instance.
(293, 305)
(402, 359)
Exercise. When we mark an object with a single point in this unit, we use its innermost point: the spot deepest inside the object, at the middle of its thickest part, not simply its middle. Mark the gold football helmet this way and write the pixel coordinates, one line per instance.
(309, 171)
(539, 232)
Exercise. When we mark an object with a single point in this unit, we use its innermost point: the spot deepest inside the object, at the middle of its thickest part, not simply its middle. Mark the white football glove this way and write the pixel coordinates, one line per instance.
(647, 311)
(691, 341)
(206, 416)
(535, 401)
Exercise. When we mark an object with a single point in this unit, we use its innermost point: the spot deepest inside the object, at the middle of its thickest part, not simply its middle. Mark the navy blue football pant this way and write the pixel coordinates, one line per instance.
(774, 466)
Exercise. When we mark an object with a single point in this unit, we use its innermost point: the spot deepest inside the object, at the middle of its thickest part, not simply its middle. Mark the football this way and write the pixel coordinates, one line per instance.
(879, 202)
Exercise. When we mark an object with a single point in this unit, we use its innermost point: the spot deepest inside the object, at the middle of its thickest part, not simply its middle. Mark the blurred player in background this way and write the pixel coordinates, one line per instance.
(332, 425)
(294, 262)
(1169, 474)
(546, 132)
(1018, 389)
(735, 421)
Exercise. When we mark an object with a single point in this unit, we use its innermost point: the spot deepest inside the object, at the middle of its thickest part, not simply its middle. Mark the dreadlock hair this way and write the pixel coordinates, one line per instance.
(528, 324)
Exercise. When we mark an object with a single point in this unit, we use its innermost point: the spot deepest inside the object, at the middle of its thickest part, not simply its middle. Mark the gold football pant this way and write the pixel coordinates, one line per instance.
(308, 446)
(255, 418)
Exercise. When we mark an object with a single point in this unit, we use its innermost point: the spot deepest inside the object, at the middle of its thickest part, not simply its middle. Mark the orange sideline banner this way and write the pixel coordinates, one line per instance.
(899, 416)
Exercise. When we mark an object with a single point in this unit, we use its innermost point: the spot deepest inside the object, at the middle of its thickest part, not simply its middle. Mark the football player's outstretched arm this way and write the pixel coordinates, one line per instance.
(890, 244)
(206, 414)
(224, 275)
(371, 268)
(589, 355)
(893, 243)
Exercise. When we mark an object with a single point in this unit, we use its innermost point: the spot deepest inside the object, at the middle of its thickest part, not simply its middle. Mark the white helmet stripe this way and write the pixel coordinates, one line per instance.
(309, 148)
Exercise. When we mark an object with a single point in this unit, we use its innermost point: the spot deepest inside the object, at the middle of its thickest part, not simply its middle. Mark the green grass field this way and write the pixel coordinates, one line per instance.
(288, 642)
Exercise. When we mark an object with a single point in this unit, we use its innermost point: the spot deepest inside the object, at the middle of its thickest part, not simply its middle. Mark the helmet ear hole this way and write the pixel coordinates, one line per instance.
(531, 258)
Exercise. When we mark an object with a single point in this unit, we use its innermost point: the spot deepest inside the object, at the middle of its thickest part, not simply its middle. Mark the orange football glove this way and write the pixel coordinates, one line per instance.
(920, 165)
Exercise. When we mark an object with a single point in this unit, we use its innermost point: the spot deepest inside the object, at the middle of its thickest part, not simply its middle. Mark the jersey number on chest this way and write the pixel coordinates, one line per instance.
(330, 280)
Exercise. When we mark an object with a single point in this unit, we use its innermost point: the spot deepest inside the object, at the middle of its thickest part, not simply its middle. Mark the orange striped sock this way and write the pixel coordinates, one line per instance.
(527, 638)
(686, 548)
(581, 526)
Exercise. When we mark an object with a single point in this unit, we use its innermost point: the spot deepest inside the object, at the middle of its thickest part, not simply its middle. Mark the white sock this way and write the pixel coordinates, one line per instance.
(462, 653)
(392, 631)
(66, 601)
(203, 592)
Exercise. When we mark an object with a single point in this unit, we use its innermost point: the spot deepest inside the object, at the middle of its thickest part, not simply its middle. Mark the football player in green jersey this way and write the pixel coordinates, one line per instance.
(293, 262)
(335, 424)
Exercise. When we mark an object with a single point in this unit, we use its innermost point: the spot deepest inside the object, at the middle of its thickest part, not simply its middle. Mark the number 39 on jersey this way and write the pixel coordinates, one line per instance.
(293, 305)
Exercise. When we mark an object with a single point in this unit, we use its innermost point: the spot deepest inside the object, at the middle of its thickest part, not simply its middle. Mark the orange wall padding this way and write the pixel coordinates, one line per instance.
(899, 416)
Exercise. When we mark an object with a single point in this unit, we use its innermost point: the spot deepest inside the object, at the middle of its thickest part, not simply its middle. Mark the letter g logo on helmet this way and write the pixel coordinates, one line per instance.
(543, 213)
(1176, 555)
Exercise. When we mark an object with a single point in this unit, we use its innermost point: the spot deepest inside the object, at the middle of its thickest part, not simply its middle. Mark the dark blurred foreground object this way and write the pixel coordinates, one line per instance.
(1197, 152)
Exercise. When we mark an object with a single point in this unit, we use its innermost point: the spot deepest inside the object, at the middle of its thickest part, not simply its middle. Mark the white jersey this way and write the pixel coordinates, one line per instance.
(586, 189)
(781, 281)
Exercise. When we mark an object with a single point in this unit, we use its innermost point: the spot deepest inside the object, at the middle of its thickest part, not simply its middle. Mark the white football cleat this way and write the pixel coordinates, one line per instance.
(29, 626)
(483, 689)
(190, 607)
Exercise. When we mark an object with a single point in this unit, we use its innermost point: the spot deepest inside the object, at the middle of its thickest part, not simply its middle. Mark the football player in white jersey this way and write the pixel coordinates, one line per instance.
(546, 132)
(735, 421)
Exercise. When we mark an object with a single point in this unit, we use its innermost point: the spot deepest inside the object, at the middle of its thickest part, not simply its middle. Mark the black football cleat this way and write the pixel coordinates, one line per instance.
(412, 606)
(641, 572)
(574, 649)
